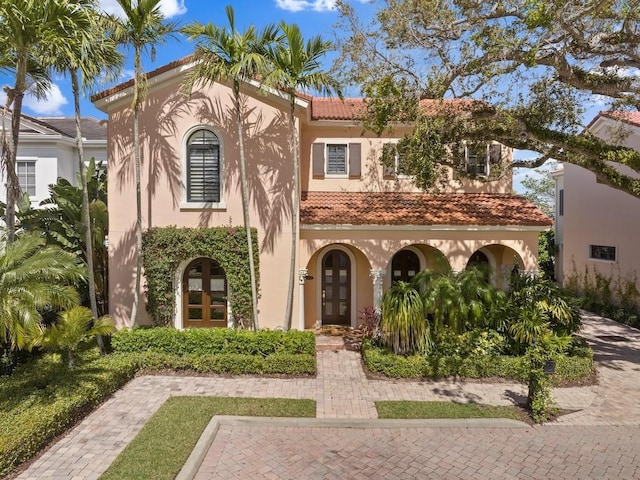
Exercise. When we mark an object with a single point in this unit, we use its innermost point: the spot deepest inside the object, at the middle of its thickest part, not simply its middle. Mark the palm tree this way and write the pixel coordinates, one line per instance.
(142, 28)
(33, 277)
(88, 54)
(31, 32)
(74, 326)
(295, 65)
(226, 54)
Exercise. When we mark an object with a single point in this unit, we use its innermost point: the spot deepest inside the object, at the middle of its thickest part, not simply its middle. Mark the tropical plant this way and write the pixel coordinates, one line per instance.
(142, 28)
(459, 301)
(295, 65)
(62, 224)
(404, 328)
(227, 54)
(32, 32)
(73, 327)
(33, 277)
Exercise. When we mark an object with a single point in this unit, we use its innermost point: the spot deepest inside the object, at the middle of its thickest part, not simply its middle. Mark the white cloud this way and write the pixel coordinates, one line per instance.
(52, 105)
(317, 5)
(169, 8)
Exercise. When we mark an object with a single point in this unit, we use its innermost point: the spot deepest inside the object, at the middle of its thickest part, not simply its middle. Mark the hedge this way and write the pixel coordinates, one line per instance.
(229, 363)
(383, 361)
(213, 341)
(43, 398)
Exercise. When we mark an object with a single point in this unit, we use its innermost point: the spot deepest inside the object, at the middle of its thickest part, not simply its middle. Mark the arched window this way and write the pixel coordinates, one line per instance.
(203, 167)
(404, 266)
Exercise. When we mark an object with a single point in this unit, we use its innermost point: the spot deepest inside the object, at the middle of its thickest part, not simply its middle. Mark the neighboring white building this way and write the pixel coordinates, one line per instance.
(598, 227)
(47, 150)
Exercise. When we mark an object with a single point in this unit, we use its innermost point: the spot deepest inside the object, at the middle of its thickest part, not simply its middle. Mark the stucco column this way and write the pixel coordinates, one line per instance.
(378, 277)
(302, 277)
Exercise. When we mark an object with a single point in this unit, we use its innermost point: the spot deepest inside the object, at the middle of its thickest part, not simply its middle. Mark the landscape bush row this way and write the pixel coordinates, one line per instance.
(381, 360)
(205, 341)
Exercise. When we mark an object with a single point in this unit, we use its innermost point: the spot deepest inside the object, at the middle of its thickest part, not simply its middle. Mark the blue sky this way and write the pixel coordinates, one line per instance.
(315, 17)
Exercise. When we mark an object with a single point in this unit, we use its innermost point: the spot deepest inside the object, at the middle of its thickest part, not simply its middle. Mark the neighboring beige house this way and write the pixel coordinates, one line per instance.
(47, 150)
(361, 227)
(597, 227)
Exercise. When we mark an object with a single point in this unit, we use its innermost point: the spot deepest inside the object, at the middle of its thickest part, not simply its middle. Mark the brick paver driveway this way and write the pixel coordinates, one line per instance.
(572, 448)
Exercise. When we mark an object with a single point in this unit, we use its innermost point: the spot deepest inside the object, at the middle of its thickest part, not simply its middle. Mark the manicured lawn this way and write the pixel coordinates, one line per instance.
(163, 445)
(414, 409)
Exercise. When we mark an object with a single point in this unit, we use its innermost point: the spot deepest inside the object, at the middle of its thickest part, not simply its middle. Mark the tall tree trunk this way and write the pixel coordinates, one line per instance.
(245, 205)
(294, 216)
(136, 153)
(86, 216)
(13, 185)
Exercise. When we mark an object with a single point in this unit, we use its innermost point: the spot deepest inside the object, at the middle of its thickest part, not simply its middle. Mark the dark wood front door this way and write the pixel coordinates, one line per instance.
(336, 288)
(204, 293)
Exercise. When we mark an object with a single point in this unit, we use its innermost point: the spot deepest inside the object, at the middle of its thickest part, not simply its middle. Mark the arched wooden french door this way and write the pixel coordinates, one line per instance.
(404, 266)
(336, 288)
(204, 294)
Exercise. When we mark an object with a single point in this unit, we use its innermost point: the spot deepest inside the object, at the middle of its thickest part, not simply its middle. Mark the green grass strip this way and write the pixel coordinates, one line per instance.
(414, 409)
(165, 442)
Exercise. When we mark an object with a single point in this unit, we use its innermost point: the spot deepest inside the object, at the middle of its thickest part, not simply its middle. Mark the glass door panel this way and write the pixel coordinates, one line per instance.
(336, 288)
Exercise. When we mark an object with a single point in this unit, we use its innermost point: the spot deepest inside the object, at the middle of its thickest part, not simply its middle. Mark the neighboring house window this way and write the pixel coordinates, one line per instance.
(27, 177)
(203, 167)
(602, 252)
(561, 202)
(336, 159)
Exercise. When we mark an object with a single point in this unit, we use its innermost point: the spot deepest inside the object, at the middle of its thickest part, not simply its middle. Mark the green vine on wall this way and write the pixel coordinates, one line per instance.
(164, 249)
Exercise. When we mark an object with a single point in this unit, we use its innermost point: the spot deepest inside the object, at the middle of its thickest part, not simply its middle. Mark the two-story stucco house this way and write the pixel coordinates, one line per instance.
(361, 226)
(597, 227)
(47, 150)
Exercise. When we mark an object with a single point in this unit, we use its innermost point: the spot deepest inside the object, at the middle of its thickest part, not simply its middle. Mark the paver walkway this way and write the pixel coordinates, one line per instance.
(342, 391)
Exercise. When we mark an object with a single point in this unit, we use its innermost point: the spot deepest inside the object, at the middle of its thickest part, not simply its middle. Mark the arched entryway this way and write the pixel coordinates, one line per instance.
(479, 259)
(404, 266)
(336, 288)
(204, 294)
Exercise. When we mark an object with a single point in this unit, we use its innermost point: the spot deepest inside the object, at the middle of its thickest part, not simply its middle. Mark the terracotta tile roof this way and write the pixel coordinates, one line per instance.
(395, 208)
(355, 108)
(632, 118)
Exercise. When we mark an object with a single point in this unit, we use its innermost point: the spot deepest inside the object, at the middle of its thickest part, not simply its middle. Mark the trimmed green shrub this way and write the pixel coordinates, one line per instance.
(383, 361)
(212, 341)
(229, 363)
(43, 397)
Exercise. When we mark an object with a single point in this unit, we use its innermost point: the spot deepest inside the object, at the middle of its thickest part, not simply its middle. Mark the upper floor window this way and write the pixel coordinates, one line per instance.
(602, 252)
(478, 158)
(27, 177)
(336, 159)
(203, 167)
(394, 161)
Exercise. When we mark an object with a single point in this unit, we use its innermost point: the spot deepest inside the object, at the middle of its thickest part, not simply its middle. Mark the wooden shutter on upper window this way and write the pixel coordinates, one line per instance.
(495, 153)
(355, 163)
(317, 155)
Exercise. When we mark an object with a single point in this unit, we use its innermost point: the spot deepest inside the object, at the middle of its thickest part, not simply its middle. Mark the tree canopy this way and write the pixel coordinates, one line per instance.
(533, 65)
